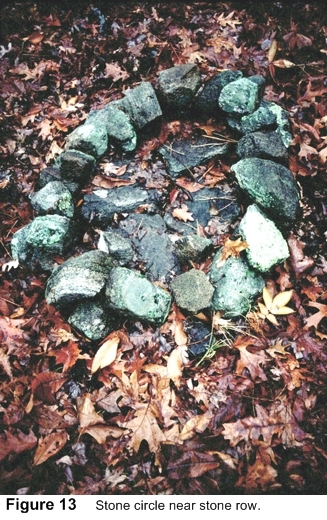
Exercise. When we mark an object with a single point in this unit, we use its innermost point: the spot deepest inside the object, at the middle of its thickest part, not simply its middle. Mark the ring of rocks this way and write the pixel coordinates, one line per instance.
(97, 289)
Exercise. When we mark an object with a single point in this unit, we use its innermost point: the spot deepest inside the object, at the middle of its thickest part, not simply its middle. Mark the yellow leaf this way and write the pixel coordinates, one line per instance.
(106, 354)
(272, 51)
(284, 64)
(272, 319)
(282, 310)
(280, 300)
(263, 309)
(183, 213)
(87, 414)
(175, 363)
(267, 298)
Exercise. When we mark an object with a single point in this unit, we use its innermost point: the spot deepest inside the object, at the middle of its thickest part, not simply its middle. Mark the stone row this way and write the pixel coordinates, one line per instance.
(98, 288)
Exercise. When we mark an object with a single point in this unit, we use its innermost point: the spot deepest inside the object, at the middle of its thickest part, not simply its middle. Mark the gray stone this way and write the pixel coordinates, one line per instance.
(43, 237)
(79, 278)
(89, 138)
(118, 126)
(192, 248)
(116, 246)
(133, 295)
(90, 319)
(52, 174)
(236, 285)
(206, 102)
(239, 97)
(141, 104)
(267, 247)
(192, 291)
(260, 82)
(152, 245)
(271, 186)
(53, 198)
(265, 145)
(100, 206)
(178, 85)
(184, 154)
(76, 166)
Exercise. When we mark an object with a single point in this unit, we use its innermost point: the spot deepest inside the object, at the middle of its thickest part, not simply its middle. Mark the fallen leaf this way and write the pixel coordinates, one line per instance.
(315, 319)
(183, 214)
(283, 64)
(232, 248)
(252, 361)
(16, 443)
(191, 465)
(106, 354)
(86, 412)
(144, 426)
(300, 262)
(49, 446)
(176, 361)
(195, 425)
(115, 72)
(46, 384)
(100, 432)
(66, 355)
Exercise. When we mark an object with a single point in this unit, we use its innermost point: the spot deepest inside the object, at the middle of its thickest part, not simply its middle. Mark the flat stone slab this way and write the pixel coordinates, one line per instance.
(236, 285)
(271, 186)
(100, 206)
(79, 278)
(184, 154)
(192, 291)
(132, 294)
(267, 247)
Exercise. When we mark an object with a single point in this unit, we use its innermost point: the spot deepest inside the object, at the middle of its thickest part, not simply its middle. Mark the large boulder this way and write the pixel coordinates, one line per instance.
(132, 294)
(178, 85)
(184, 154)
(79, 278)
(271, 185)
(236, 285)
(267, 247)
(192, 291)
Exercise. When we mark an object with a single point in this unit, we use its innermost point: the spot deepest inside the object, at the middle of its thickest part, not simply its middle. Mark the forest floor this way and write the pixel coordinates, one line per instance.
(249, 418)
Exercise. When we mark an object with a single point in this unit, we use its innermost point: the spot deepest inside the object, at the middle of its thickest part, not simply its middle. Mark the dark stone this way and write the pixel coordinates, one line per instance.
(265, 145)
(152, 245)
(100, 206)
(141, 104)
(271, 186)
(118, 126)
(206, 102)
(116, 246)
(184, 154)
(52, 174)
(199, 337)
(178, 85)
(90, 138)
(76, 166)
(92, 320)
(192, 248)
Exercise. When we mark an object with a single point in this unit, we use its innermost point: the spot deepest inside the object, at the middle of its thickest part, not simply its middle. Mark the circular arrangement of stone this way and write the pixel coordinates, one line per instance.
(98, 287)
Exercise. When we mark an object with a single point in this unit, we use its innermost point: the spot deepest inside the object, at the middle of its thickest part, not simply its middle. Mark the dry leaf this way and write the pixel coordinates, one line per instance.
(315, 319)
(274, 306)
(16, 443)
(86, 412)
(284, 64)
(272, 50)
(106, 354)
(49, 446)
(177, 359)
(183, 214)
(100, 432)
(231, 248)
(144, 426)
(115, 72)
(195, 425)
(66, 355)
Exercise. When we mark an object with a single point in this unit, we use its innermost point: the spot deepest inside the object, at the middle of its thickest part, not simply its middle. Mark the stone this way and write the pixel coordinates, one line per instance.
(206, 101)
(192, 248)
(52, 174)
(268, 116)
(132, 294)
(152, 245)
(236, 286)
(76, 166)
(116, 246)
(192, 291)
(79, 278)
(53, 198)
(218, 204)
(92, 320)
(267, 247)
(260, 82)
(265, 145)
(119, 127)
(184, 154)
(200, 338)
(141, 104)
(101, 205)
(239, 97)
(90, 138)
(43, 237)
(271, 185)
(178, 85)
